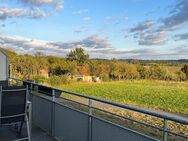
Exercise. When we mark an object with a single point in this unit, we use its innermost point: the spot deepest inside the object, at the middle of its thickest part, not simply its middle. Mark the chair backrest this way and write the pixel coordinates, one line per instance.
(4, 83)
(12, 104)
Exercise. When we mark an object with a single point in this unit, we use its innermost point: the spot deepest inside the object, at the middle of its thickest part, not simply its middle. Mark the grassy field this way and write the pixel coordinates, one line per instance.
(159, 95)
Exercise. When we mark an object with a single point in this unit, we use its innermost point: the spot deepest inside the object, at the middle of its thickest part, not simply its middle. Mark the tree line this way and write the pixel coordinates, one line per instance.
(77, 62)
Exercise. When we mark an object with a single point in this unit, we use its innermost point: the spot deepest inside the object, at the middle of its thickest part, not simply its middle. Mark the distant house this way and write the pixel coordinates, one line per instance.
(83, 74)
(45, 73)
(81, 78)
(96, 79)
(85, 78)
(4, 71)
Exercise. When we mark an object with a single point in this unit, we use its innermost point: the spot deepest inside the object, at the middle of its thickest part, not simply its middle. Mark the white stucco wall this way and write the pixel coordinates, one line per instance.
(3, 66)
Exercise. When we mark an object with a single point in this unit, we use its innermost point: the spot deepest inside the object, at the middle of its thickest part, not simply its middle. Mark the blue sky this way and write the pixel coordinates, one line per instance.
(142, 29)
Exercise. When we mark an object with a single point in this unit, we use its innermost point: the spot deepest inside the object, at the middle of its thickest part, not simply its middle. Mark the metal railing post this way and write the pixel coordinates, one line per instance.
(165, 128)
(0, 100)
(30, 96)
(90, 121)
(29, 103)
(37, 88)
(28, 112)
(31, 88)
(17, 83)
(53, 113)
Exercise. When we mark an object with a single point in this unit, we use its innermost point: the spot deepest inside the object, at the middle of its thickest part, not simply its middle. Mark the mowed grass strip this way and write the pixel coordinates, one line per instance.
(159, 95)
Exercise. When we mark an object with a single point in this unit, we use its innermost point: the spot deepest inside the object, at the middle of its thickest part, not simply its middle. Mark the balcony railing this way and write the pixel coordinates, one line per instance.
(70, 116)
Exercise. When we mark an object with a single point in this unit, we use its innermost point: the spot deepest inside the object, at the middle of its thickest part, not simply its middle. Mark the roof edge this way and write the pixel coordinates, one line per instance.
(1, 50)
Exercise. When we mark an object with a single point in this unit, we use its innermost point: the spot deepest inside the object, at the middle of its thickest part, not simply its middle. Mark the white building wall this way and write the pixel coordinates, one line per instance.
(3, 66)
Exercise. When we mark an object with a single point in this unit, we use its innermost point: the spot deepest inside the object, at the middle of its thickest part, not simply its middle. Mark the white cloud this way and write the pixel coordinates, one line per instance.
(148, 34)
(156, 33)
(142, 26)
(82, 29)
(152, 38)
(94, 45)
(86, 18)
(178, 16)
(182, 36)
(22, 45)
(81, 11)
(56, 4)
(34, 9)
(6, 12)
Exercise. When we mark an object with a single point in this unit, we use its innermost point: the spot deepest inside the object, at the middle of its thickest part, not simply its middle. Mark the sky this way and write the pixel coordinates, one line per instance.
(122, 29)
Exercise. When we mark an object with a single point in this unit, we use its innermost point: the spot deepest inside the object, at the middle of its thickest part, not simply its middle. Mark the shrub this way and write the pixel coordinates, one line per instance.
(181, 76)
(131, 72)
(58, 80)
(159, 72)
(144, 72)
(105, 77)
(64, 79)
(38, 79)
(185, 70)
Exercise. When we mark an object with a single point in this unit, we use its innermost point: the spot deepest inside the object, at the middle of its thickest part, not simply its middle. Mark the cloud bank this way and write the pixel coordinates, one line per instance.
(94, 45)
(177, 17)
(182, 36)
(6, 13)
(56, 4)
(33, 9)
(156, 32)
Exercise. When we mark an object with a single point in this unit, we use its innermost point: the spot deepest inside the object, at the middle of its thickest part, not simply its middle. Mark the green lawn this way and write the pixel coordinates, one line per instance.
(160, 95)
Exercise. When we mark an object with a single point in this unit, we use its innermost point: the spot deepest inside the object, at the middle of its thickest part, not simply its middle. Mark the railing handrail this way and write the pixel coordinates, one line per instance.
(174, 118)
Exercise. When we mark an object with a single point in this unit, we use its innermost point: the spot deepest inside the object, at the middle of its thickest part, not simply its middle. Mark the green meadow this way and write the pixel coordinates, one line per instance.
(159, 95)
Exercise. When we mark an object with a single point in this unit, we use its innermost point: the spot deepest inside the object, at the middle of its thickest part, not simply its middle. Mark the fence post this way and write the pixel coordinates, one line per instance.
(165, 128)
(53, 113)
(90, 120)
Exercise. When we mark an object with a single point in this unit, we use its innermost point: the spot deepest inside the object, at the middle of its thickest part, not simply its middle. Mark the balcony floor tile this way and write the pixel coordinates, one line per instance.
(8, 133)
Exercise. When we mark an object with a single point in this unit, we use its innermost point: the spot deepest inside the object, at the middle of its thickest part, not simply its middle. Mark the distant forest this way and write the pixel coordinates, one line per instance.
(77, 62)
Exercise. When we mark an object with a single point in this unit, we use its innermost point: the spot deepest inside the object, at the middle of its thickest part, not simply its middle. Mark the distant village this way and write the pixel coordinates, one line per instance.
(79, 77)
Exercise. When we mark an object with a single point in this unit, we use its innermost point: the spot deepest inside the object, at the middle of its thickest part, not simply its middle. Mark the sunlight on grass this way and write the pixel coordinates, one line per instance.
(160, 95)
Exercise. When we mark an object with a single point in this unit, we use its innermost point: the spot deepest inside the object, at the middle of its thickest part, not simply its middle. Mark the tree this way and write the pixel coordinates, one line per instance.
(158, 72)
(25, 65)
(58, 66)
(181, 76)
(78, 62)
(185, 70)
(42, 61)
(144, 71)
(129, 71)
(79, 56)
(114, 72)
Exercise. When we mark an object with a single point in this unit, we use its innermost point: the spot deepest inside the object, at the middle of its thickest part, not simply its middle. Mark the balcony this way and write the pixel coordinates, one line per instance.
(8, 134)
(75, 117)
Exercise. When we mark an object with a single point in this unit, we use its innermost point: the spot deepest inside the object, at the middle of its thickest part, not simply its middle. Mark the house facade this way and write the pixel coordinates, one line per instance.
(85, 78)
(4, 72)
